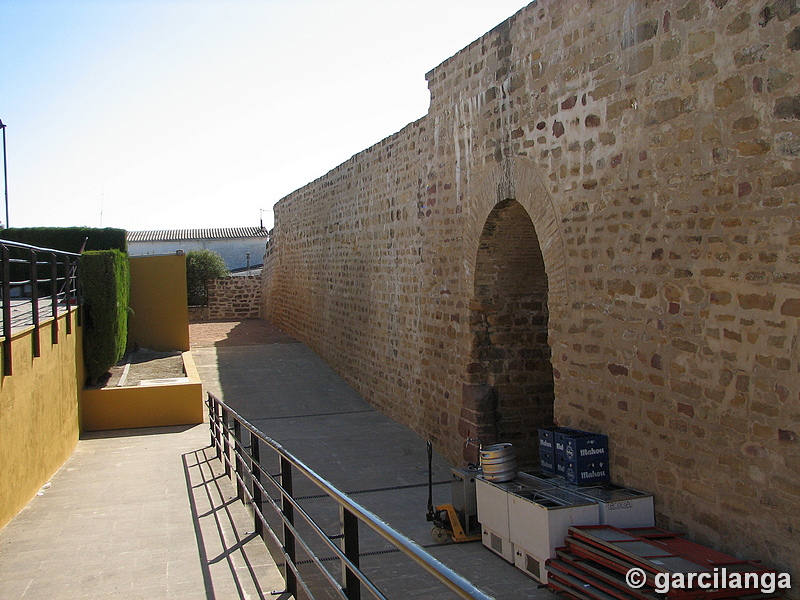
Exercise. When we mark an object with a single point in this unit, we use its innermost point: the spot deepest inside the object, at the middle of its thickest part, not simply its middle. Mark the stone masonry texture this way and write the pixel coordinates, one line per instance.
(237, 297)
(597, 225)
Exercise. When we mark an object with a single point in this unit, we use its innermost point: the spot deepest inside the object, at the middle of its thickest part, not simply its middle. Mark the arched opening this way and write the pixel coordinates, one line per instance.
(509, 392)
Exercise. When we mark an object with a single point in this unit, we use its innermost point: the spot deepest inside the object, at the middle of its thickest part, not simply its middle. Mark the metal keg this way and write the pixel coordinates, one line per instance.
(498, 462)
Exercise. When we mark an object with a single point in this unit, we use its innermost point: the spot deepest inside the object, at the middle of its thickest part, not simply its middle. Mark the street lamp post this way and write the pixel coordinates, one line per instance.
(5, 168)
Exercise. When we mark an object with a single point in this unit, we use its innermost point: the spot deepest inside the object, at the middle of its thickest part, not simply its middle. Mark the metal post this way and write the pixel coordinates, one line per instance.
(288, 537)
(217, 430)
(209, 407)
(349, 528)
(68, 297)
(237, 453)
(78, 301)
(35, 305)
(258, 501)
(6, 266)
(5, 168)
(226, 447)
(54, 294)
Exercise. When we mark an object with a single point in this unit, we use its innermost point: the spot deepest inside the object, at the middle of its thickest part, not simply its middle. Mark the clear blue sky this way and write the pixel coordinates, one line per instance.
(169, 114)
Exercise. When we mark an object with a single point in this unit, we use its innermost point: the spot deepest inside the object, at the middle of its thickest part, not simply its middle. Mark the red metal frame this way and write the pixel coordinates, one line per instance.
(588, 552)
(602, 563)
(568, 569)
(594, 569)
(559, 584)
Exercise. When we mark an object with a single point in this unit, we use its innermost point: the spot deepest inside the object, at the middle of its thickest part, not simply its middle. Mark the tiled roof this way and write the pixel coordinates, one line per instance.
(177, 235)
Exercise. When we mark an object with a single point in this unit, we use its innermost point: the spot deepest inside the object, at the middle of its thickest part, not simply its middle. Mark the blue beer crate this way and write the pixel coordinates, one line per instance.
(585, 446)
(547, 461)
(546, 443)
(548, 435)
(560, 437)
(582, 472)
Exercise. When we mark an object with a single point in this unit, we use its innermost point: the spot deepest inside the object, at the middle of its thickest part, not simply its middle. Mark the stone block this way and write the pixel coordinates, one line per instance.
(666, 110)
(787, 108)
(791, 307)
(739, 24)
(793, 39)
(641, 61)
(689, 12)
(643, 31)
(729, 91)
(702, 69)
(753, 148)
(700, 40)
(756, 301)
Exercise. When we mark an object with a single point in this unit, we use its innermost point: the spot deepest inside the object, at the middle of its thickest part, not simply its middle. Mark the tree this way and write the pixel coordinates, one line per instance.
(201, 267)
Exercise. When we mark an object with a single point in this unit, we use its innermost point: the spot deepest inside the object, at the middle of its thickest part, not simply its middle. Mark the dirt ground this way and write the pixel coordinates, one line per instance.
(149, 364)
(250, 332)
(143, 364)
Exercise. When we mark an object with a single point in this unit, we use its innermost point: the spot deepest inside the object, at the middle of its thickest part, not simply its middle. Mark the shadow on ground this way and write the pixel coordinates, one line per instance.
(142, 431)
(226, 541)
(136, 515)
(249, 332)
(285, 390)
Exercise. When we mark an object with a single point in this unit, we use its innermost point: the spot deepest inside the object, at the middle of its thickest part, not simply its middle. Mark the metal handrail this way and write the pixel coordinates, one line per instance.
(63, 287)
(37, 248)
(243, 463)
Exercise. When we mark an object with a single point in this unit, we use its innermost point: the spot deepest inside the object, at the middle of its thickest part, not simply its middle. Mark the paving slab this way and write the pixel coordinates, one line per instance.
(139, 514)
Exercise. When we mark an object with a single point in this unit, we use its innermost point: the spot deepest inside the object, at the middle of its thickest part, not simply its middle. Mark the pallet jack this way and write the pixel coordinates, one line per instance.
(449, 522)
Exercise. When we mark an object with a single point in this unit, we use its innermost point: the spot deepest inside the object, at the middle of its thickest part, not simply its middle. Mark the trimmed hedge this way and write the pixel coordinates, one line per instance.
(69, 239)
(105, 281)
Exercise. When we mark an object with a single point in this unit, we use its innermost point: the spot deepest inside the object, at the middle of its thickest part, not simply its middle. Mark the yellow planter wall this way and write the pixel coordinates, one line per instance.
(145, 406)
(160, 311)
(38, 413)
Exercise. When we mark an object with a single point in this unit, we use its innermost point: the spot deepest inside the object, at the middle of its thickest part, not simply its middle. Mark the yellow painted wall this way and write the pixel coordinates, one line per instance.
(39, 422)
(145, 406)
(160, 317)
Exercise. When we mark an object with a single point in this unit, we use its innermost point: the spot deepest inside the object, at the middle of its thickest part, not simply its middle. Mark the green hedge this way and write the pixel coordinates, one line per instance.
(69, 239)
(105, 281)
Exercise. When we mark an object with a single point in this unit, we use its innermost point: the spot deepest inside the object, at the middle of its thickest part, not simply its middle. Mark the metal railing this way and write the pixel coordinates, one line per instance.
(245, 461)
(35, 284)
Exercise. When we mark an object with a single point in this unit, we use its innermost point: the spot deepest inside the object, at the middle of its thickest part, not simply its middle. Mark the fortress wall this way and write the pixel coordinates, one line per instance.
(654, 146)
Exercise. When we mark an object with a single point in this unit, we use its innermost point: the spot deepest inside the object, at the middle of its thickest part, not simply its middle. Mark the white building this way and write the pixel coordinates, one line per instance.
(239, 247)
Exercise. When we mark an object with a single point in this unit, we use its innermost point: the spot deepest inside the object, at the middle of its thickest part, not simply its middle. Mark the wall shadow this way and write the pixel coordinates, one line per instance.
(139, 431)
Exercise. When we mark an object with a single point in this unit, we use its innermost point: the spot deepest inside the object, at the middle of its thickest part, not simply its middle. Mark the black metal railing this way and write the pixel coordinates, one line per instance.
(245, 461)
(35, 285)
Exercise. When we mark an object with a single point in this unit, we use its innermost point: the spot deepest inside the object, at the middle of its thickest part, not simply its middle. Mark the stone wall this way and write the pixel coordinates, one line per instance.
(198, 313)
(237, 297)
(596, 223)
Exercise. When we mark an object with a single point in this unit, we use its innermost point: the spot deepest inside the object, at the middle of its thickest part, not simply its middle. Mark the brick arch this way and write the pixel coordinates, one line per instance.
(519, 180)
(516, 265)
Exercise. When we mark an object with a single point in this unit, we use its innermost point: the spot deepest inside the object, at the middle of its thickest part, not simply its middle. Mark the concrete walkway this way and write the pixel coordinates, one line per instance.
(137, 515)
(22, 312)
(147, 514)
(292, 396)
